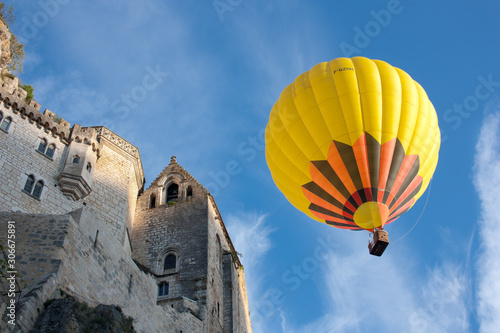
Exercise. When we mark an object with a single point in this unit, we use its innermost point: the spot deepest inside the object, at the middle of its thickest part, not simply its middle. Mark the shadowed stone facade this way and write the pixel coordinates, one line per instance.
(188, 225)
(85, 226)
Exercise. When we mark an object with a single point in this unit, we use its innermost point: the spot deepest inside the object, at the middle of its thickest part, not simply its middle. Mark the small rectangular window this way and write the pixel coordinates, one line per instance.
(163, 289)
(6, 124)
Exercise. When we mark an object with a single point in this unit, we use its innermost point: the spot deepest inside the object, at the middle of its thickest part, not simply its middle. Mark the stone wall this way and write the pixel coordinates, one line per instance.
(96, 270)
(39, 242)
(117, 177)
(114, 189)
(116, 279)
(39, 252)
(217, 246)
(19, 157)
(180, 229)
(228, 291)
(129, 169)
(241, 309)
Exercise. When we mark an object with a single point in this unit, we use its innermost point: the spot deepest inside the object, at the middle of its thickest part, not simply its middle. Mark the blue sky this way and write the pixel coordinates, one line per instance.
(197, 79)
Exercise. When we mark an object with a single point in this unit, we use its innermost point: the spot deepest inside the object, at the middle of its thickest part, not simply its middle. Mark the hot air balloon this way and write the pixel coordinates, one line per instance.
(353, 143)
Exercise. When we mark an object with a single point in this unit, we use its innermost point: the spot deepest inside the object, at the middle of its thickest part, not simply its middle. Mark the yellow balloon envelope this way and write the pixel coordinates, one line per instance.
(353, 143)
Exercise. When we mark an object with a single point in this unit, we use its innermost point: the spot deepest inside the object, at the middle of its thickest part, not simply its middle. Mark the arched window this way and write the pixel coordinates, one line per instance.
(28, 187)
(152, 201)
(163, 289)
(173, 192)
(76, 159)
(1, 114)
(42, 146)
(32, 188)
(6, 124)
(50, 150)
(37, 191)
(89, 167)
(189, 192)
(170, 262)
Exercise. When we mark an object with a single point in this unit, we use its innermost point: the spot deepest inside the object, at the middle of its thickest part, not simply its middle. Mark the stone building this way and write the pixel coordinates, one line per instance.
(85, 226)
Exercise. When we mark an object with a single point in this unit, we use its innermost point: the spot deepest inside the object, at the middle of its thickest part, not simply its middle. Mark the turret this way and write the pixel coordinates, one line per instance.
(81, 157)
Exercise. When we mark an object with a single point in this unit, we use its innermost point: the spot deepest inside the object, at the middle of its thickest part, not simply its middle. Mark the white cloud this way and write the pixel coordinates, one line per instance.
(251, 237)
(444, 306)
(361, 293)
(487, 182)
(388, 294)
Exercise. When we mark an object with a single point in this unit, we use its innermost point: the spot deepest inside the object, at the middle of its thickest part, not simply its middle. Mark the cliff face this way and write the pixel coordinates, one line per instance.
(5, 55)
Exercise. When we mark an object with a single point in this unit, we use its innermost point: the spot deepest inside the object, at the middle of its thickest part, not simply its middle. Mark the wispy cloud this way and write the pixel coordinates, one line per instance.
(73, 100)
(487, 182)
(251, 236)
(388, 294)
(443, 302)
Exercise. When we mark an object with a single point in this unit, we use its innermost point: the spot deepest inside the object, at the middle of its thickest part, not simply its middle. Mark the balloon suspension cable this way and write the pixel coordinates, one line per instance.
(422, 213)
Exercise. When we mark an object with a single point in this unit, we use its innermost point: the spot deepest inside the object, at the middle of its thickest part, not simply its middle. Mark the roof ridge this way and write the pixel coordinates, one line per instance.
(174, 166)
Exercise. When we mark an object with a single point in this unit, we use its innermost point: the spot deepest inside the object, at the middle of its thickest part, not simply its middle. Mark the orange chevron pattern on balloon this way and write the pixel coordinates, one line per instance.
(353, 143)
(338, 194)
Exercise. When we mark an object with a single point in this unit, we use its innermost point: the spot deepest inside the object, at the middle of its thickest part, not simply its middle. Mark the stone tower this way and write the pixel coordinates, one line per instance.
(179, 237)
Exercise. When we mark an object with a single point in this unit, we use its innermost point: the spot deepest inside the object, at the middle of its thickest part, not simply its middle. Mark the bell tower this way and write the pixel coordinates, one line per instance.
(179, 237)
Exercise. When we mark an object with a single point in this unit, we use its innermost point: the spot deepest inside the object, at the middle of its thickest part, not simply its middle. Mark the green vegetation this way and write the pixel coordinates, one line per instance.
(16, 48)
(235, 257)
(47, 303)
(29, 89)
(82, 306)
(7, 74)
(57, 119)
(17, 55)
